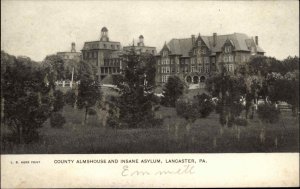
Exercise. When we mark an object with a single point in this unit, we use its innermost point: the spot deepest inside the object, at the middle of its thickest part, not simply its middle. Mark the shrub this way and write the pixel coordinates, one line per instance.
(59, 100)
(91, 111)
(205, 104)
(70, 97)
(188, 110)
(241, 122)
(113, 122)
(268, 113)
(57, 120)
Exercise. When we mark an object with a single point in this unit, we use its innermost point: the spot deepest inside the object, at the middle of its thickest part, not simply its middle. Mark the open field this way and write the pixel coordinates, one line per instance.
(172, 137)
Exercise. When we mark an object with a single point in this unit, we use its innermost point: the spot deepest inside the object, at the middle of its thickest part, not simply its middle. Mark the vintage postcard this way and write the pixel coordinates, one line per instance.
(149, 94)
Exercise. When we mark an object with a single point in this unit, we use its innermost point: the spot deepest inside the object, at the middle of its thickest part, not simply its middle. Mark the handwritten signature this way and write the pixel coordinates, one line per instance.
(185, 169)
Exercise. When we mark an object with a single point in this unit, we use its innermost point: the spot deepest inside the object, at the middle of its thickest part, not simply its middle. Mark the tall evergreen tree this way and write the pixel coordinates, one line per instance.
(89, 93)
(136, 100)
(172, 90)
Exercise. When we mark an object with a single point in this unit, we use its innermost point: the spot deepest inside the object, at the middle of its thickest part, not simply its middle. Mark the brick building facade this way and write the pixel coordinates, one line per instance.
(195, 59)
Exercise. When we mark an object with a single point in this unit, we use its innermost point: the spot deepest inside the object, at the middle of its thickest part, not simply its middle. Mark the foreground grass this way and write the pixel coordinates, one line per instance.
(172, 137)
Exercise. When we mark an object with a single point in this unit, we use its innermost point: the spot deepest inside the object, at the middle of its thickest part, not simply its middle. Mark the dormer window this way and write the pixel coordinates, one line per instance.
(227, 49)
(165, 53)
(199, 43)
(252, 50)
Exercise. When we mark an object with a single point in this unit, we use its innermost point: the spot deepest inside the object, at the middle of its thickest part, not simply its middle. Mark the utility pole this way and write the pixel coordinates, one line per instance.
(72, 78)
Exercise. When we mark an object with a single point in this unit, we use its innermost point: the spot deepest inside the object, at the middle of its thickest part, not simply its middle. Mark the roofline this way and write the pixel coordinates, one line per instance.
(68, 52)
(102, 41)
(139, 46)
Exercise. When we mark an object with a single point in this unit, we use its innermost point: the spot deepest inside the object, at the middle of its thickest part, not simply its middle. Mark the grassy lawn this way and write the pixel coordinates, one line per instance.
(173, 136)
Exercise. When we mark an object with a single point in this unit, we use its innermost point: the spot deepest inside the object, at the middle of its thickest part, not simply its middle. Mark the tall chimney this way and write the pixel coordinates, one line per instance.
(73, 47)
(256, 40)
(214, 39)
(193, 39)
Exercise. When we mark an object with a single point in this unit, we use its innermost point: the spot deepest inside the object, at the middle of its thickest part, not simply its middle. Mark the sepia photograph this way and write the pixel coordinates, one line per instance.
(149, 77)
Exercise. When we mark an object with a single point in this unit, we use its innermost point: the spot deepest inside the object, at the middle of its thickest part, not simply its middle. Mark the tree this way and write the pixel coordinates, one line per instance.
(228, 89)
(59, 100)
(135, 105)
(89, 93)
(172, 90)
(69, 67)
(54, 67)
(70, 98)
(148, 63)
(27, 98)
(205, 104)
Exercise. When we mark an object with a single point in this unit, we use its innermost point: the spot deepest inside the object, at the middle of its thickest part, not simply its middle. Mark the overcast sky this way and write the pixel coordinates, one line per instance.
(39, 28)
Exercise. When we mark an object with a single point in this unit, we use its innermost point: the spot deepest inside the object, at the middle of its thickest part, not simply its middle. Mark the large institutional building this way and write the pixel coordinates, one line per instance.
(106, 55)
(194, 59)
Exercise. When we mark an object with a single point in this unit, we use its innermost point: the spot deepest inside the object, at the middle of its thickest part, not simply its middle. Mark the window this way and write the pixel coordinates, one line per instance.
(243, 58)
(213, 60)
(193, 69)
(199, 60)
(200, 69)
(168, 69)
(164, 78)
(252, 50)
(207, 69)
(230, 58)
(165, 53)
(231, 68)
(112, 46)
(199, 43)
(104, 45)
(206, 60)
(178, 70)
(225, 58)
(227, 49)
(204, 51)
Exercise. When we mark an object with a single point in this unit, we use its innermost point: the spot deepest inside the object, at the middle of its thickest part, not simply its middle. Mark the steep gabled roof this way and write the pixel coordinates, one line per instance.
(240, 41)
(180, 46)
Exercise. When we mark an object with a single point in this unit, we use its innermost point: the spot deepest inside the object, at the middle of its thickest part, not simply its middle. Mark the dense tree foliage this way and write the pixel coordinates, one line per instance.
(173, 89)
(89, 93)
(27, 99)
(70, 98)
(135, 105)
(229, 89)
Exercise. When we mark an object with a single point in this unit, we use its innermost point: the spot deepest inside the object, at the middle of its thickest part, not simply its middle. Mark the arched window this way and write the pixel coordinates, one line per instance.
(188, 79)
(202, 79)
(196, 79)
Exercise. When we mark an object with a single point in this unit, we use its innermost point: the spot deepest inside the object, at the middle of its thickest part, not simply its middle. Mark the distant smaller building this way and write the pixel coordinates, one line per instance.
(72, 55)
(140, 47)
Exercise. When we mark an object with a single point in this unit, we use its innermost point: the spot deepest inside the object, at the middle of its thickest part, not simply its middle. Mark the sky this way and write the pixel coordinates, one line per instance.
(39, 28)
